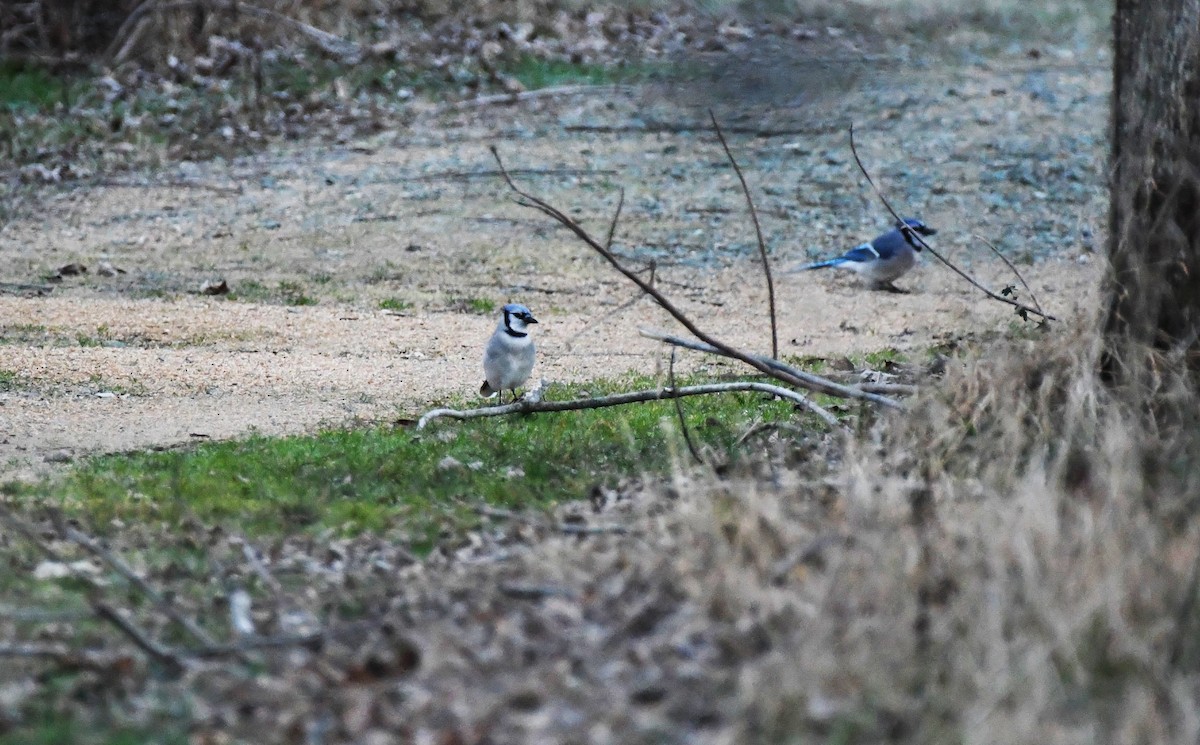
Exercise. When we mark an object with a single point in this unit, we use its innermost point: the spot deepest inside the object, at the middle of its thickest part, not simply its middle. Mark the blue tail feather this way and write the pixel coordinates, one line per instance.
(823, 264)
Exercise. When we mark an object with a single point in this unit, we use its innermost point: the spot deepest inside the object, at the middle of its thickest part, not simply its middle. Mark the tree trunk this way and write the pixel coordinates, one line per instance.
(1154, 218)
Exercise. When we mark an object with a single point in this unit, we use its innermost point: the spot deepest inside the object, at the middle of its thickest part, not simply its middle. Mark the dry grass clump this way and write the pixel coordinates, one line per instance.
(1015, 562)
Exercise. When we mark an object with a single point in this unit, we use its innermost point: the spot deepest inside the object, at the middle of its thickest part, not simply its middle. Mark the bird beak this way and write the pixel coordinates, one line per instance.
(529, 319)
(929, 231)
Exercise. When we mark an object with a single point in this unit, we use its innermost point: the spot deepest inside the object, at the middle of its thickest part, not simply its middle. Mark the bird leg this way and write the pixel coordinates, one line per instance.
(889, 287)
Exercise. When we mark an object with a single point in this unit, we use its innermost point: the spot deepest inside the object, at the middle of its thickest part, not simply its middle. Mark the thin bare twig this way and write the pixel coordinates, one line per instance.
(913, 235)
(817, 383)
(687, 433)
(612, 226)
(534, 592)
(1012, 269)
(665, 303)
(762, 246)
(162, 654)
(619, 399)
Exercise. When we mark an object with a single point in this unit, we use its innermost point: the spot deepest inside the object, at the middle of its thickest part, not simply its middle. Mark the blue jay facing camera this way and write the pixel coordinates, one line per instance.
(884, 259)
(508, 359)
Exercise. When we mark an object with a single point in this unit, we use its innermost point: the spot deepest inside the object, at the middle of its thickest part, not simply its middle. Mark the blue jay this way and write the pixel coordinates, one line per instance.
(884, 259)
(508, 359)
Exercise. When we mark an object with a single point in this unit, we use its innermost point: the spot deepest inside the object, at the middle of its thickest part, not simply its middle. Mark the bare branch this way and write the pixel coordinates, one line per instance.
(815, 382)
(140, 638)
(754, 361)
(612, 227)
(913, 235)
(1012, 269)
(619, 399)
(762, 246)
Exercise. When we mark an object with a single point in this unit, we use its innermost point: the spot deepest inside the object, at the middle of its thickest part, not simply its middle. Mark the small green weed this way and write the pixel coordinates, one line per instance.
(391, 303)
(478, 305)
(883, 358)
(422, 482)
(10, 381)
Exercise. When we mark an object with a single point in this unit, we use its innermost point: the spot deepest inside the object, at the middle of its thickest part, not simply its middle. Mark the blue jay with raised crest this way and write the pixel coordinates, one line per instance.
(884, 259)
(508, 359)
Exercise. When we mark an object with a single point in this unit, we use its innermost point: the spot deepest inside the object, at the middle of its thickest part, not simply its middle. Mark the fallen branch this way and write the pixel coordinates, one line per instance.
(912, 235)
(816, 382)
(762, 246)
(161, 654)
(619, 399)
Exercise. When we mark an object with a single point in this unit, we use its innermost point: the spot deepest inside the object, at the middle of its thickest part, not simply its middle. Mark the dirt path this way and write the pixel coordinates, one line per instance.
(410, 220)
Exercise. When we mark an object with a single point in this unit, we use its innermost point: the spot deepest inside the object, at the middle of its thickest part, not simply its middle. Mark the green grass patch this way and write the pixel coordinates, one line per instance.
(26, 88)
(422, 482)
(286, 292)
(55, 730)
(395, 304)
(10, 381)
(534, 72)
(478, 305)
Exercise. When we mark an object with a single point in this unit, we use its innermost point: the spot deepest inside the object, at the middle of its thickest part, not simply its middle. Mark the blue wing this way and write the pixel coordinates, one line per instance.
(865, 252)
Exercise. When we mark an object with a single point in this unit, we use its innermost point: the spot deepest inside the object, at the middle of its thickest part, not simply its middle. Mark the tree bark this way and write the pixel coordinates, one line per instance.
(1154, 218)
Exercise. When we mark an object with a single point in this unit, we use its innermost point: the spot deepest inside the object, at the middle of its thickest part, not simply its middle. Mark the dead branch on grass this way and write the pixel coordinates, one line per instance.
(816, 383)
(759, 363)
(523, 406)
(762, 246)
(1022, 309)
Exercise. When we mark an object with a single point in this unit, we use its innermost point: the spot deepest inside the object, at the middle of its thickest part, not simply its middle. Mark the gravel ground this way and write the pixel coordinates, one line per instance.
(1010, 148)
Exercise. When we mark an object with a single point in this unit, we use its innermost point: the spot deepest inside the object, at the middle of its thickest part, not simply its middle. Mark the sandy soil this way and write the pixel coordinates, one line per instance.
(1012, 150)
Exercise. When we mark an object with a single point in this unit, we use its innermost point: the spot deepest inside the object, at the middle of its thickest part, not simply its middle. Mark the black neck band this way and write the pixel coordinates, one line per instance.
(515, 334)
